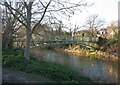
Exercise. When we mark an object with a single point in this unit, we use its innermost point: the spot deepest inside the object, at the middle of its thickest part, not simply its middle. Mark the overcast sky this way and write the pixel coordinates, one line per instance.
(106, 9)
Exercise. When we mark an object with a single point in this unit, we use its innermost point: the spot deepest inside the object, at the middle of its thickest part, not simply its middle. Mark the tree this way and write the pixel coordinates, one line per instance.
(10, 26)
(42, 31)
(45, 9)
(112, 30)
(20, 37)
(93, 22)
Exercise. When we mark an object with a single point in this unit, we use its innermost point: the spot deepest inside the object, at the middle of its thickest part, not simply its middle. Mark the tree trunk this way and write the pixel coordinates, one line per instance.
(27, 47)
(9, 42)
(28, 29)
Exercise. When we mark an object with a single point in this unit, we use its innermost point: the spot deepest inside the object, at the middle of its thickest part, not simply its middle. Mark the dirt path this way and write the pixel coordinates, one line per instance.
(12, 76)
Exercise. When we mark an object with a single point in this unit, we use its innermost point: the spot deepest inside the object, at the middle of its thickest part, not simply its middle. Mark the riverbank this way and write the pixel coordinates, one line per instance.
(53, 71)
(96, 54)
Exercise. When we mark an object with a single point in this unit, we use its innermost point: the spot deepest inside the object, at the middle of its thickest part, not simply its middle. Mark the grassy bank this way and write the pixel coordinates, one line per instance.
(59, 73)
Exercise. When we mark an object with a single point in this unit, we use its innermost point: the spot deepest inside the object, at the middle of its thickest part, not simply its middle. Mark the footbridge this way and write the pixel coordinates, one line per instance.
(65, 40)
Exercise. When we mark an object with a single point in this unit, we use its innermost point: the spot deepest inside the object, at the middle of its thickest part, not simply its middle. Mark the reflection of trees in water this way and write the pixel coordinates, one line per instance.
(93, 68)
(108, 71)
(113, 70)
(97, 69)
(102, 75)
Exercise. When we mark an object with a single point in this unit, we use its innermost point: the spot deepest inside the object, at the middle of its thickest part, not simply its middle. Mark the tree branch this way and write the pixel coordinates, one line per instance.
(41, 17)
(16, 10)
(6, 4)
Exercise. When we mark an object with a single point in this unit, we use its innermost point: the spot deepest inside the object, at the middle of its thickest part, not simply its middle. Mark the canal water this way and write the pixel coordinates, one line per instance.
(99, 70)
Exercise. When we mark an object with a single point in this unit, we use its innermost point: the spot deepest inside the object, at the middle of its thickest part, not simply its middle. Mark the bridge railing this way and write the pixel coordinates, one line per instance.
(67, 40)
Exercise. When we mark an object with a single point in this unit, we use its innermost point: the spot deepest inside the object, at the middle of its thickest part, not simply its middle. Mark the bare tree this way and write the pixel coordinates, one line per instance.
(10, 26)
(93, 22)
(42, 31)
(45, 9)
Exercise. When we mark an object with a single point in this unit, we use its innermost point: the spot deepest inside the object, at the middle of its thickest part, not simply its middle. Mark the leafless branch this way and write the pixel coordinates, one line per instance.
(41, 17)
(9, 7)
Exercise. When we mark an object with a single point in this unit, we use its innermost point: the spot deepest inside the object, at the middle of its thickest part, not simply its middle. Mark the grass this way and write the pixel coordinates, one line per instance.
(54, 71)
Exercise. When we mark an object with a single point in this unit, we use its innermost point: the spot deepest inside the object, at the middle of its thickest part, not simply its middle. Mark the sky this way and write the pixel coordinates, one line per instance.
(106, 9)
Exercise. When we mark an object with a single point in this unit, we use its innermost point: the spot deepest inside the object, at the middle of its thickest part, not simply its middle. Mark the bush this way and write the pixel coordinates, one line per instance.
(12, 60)
(112, 41)
(12, 51)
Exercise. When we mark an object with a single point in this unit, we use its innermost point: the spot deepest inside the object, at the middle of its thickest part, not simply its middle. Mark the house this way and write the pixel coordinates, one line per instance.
(108, 32)
(111, 31)
(102, 33)
(82, 33)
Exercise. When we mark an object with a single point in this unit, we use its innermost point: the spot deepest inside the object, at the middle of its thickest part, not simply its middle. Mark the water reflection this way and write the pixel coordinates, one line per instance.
(100, 70)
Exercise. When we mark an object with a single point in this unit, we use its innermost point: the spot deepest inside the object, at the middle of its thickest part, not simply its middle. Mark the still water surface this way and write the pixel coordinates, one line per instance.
(99, 70)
